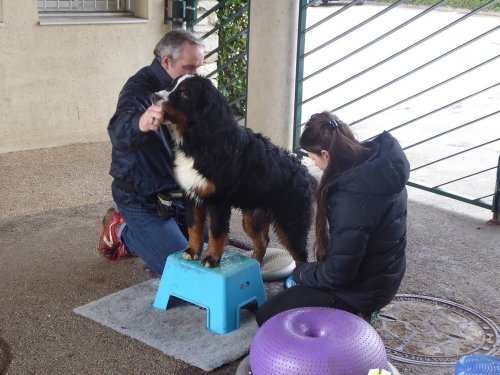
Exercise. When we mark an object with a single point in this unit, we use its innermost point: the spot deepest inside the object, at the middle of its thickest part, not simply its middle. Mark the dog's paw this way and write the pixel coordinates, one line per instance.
(190, 254)
(210, 262)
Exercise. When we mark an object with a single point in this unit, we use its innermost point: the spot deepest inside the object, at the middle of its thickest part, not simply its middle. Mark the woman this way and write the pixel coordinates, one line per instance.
(360, 223)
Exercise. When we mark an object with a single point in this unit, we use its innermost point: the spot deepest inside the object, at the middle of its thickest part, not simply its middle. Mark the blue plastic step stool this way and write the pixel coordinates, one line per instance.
(477, 364)
(222, 290)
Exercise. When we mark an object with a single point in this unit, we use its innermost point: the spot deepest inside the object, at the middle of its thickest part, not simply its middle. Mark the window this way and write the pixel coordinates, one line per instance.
(70, 12)
(85, 5)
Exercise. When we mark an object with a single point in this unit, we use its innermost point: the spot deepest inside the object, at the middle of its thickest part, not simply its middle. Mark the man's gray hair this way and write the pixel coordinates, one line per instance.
(171, 44)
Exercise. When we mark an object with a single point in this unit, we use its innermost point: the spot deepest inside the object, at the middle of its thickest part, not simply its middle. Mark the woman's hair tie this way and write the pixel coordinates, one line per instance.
(333, 125)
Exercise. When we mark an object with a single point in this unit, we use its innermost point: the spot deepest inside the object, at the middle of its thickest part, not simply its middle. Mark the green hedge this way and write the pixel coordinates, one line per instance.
(232, 80)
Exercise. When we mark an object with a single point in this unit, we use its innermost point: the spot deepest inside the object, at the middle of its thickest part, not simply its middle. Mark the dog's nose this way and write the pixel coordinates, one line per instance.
(156, 98)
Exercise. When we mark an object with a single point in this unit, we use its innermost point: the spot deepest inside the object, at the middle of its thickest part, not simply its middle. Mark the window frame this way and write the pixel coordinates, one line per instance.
(92, 6)
(90, 12)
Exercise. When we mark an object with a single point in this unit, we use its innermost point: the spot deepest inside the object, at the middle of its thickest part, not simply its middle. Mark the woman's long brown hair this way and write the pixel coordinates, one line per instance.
(325, 131)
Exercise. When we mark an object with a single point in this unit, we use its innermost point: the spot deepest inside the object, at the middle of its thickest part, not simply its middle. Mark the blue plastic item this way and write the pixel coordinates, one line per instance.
(222, 290)
(477, 364)
(289, 282)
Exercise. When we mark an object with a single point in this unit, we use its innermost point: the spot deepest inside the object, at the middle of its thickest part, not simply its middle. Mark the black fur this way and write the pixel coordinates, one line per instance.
(244, 170)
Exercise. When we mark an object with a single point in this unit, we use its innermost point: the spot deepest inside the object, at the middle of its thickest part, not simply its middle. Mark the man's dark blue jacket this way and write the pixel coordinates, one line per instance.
(141, 163)
(367, 217)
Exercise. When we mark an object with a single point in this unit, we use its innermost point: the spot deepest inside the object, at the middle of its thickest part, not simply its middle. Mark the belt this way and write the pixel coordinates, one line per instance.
(128, 186)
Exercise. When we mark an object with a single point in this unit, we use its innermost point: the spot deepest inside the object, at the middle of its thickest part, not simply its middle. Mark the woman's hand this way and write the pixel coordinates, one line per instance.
(290, 282)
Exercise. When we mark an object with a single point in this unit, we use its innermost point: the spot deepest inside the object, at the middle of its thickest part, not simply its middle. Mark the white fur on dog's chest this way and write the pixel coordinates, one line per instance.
(188, 177)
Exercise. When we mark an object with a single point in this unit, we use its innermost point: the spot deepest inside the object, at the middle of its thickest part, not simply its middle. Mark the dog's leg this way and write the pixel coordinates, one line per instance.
(296, 244)
(256, 225)
(219, 216)
(196, 213)
(293, 234)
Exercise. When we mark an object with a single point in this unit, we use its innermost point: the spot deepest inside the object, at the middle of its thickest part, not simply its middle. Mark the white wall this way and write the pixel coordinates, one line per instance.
(271, 68)
(59, 84)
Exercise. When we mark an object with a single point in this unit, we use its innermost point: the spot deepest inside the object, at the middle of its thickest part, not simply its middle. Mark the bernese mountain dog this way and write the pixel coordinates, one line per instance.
(221, 165)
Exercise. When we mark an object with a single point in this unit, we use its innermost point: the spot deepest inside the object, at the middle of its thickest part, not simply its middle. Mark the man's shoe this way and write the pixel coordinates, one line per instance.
(108, 243)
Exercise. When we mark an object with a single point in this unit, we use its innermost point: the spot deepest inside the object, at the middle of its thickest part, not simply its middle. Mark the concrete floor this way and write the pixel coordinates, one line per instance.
(51, 206)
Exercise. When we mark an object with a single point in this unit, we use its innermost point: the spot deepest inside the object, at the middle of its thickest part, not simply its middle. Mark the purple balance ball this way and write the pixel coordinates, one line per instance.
(316, 341)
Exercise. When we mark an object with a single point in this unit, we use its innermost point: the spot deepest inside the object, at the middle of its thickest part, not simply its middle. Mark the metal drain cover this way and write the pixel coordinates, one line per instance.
(434, 332)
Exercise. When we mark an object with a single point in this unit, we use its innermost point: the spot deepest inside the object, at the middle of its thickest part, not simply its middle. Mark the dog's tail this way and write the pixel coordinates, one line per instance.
(240, 244)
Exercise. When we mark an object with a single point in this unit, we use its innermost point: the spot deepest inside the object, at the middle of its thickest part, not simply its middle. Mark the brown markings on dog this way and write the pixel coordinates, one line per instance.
(195, 233)
(176, 117)
(207, 190)
(215, 250)
(256, 226)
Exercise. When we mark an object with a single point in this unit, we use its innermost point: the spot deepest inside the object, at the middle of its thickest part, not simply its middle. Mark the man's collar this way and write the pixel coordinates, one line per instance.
(161, 74)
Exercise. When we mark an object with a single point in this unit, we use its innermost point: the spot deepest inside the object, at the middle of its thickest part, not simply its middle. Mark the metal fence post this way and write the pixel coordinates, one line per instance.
(191, 13)
(299, 74)
(496, 198)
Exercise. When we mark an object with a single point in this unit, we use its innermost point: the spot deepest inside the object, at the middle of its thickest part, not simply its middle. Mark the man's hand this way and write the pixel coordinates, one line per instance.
(152, 119)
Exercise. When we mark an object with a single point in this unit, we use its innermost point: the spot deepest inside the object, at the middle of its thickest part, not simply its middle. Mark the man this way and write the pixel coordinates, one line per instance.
(142, 161)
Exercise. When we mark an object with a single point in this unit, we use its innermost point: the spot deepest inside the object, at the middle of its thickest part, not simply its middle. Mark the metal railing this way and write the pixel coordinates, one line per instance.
(436, 99)
(231, 72)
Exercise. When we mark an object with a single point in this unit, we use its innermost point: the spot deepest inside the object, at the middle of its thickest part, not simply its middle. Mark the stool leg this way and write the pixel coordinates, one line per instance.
(223, 319)
(163, 294)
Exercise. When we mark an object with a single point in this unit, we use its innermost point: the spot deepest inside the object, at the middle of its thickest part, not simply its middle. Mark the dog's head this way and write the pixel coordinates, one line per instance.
(193, 107)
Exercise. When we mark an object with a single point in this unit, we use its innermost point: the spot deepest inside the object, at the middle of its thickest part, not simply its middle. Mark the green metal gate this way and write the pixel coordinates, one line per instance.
(230, 51)
(428, 76)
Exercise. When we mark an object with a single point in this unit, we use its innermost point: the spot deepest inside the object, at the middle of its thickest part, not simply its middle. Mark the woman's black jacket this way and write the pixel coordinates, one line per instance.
(367, 217)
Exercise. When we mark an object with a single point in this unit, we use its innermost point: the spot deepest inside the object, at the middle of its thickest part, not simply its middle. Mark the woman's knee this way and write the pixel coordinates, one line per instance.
(262, 315)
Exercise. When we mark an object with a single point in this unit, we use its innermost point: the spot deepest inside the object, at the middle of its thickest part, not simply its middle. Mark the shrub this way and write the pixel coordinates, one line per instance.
(232, 79)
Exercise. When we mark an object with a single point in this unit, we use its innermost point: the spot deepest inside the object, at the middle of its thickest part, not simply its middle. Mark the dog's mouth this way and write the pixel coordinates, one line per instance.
(172, 129)
(172, 114)
(171, 119)
(175, 121)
